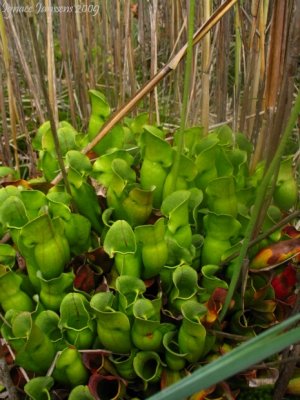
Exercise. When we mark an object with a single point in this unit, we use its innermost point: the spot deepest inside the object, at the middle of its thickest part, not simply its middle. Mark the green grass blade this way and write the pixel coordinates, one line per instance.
(251, 352)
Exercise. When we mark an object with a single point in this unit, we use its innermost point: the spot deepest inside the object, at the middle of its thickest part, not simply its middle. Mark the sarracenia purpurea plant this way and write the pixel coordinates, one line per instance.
(123, 277)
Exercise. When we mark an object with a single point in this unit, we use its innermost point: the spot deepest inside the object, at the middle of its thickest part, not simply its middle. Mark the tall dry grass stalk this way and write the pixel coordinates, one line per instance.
(153, 9)
(205, 65)
(51, 65)
(10, 90)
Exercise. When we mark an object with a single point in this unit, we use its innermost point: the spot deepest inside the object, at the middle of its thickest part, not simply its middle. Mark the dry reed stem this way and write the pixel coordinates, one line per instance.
(27, 73)
(10, 90)
(5, 150)
(117, 50)
(51, 62)
(153, 101)
(48, 105)
(63, 36)
(205, 64)
(90, 43)
(222, 67)
(81, 70)
(237, 67)
(252, 73)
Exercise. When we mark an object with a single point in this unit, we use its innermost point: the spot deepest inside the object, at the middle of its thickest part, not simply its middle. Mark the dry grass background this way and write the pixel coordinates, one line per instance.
(245, 71)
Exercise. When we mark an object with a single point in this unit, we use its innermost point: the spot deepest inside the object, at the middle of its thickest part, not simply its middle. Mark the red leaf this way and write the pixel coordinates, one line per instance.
(214, 304)
(284, 283)
(99, 258)
(94, 360)
(291, 231)
(85, 279)
(100, 385)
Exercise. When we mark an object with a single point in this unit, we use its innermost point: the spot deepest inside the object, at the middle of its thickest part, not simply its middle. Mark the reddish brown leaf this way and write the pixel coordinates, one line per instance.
(94, 360)
(85, 279)
(284, 282)
(291, 231)
(214, 304)
(98, 257)
(100, 385)
(275, 254)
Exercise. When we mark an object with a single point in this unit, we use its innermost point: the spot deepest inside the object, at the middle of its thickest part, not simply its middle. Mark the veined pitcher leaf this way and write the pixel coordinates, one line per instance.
(226, 135)
(221, 227)
(221, 197)
(206, 152)
(185, 280)
(34, 201)
(12, 297)
(175, 360)
(86, 199)
(192, 136)
(42, 242)
(209, 280)
(54, 290)
(124, 364)
(69, 368)
(7, 255)
(48, 322)
(80, 392)
(113, 326)
(78, 161)
(145, 332)
(13, 212)
(156, 149)
(38, 388)
(136, 124)
(175, 207)
(104, 162)
(129, 290)
(192, 334)
(148, 366)
(120, 238)
(154, 131)
(76, 321)
(99, 103)
(135, 205)
(38, 351)
(154, 247)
